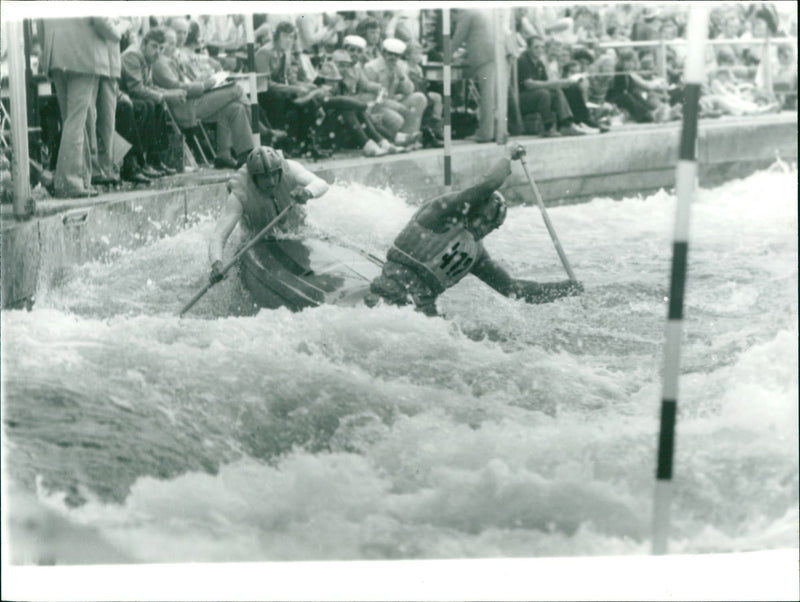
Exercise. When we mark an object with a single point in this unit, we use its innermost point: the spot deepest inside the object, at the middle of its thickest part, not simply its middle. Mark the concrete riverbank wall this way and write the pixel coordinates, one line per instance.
(36, 252)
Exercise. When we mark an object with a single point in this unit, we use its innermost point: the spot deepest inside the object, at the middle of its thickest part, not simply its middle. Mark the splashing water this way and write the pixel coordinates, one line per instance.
(346, 433)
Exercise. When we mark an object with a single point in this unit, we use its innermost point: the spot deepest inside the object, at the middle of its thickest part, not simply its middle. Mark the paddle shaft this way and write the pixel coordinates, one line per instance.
(236, 257)
(547, 223)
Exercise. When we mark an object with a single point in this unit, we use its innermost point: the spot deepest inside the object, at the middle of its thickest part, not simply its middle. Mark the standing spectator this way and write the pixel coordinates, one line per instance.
(554, 107)
(392, 74)
(104, 111)
(474, 31)
(148, 99)
(75, 58)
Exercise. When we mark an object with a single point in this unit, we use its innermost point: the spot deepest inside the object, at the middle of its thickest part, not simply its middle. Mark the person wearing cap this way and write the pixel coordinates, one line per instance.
(358, 126)
(398, 94)
(263, 187)
(443, 243)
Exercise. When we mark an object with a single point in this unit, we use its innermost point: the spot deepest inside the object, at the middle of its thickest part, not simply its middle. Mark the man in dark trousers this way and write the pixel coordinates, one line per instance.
(442, 244)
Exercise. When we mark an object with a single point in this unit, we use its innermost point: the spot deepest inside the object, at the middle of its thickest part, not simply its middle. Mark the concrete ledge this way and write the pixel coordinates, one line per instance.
(634, 159)
(35, 253)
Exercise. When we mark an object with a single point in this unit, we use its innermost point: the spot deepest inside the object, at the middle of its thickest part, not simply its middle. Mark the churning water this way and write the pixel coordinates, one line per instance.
(343, 433)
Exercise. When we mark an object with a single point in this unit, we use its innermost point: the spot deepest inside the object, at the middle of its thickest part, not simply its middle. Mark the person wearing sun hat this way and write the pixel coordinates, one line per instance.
(358, 126)
(391, 72)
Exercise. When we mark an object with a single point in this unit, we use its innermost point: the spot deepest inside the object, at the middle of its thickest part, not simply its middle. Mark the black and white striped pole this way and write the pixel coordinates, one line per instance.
(250, 39)
(685, 189)
(447, 102)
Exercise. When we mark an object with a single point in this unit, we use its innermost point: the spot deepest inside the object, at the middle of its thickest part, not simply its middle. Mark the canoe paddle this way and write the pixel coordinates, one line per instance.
(549, 225)
(236, 257)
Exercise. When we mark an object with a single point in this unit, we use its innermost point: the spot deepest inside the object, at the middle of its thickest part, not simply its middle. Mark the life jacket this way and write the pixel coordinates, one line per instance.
(260, 208)
(441, 259)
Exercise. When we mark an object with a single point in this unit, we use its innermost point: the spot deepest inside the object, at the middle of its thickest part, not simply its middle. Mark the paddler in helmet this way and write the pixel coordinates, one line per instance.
(263, 187)
(442, 244)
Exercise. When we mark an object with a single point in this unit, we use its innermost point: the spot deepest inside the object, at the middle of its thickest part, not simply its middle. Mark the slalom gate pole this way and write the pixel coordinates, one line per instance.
(236, 257)
(685, 191)
(251, 77)
(447, 103)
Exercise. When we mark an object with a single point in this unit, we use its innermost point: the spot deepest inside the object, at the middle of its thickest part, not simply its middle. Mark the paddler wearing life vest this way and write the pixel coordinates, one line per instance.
(442, 244)
(263, 187)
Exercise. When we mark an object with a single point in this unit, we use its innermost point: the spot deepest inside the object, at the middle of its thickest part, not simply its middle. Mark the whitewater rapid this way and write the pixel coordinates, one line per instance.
(342, 433)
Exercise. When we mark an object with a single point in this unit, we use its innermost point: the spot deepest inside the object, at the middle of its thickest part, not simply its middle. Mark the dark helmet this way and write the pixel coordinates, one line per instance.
(264, 160)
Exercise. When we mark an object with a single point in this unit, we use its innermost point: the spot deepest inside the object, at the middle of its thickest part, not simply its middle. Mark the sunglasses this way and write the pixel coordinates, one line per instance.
(354, 49)
(392, 54)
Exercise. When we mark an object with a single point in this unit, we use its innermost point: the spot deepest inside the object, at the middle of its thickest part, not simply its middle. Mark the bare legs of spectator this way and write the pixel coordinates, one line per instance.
(76, 95)
(415, 104)
(386, 121)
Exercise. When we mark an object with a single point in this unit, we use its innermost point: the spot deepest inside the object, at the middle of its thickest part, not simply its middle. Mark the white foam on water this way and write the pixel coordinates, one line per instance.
(340, 433)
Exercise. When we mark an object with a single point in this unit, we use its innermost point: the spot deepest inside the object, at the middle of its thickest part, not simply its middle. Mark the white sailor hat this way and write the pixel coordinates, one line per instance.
(356, 41)
(394, 45)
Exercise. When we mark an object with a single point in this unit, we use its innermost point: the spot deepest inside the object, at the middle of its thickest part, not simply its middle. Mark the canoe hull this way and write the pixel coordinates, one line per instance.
(297, 274)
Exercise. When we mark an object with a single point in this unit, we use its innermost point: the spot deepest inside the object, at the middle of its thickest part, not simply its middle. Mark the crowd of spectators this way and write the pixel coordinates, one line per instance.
(357, 80)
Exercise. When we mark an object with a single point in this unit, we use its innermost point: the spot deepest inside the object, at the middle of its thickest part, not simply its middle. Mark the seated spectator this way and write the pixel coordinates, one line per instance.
(784, 77)
(287, 101)
(657, 97)
(135, 166)
(398, 92)
(537, 94)
(725, 93)
(204, 102)
(628, 86)
(370, 30)
(386, 121)
(731, 29)
(148, 99)
(432, 129)
(345, 114)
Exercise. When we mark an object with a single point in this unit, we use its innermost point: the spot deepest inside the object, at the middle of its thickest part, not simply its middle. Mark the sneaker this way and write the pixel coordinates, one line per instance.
(570, 130)
(371, 149)
(551, 133)
(402, 139)
(587, 129)
(388, 147)
(151, 172)
(160, 166)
